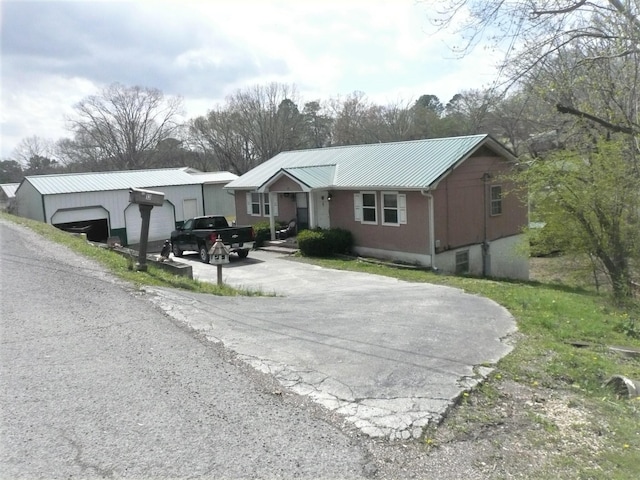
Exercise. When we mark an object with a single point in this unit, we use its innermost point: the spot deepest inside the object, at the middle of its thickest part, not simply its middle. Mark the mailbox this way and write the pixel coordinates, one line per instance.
(146, 197)
(218, 253)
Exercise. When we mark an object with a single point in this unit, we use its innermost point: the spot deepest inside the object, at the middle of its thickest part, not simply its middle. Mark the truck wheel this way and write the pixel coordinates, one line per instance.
(176, 250)
(204, 253)
(243, 253)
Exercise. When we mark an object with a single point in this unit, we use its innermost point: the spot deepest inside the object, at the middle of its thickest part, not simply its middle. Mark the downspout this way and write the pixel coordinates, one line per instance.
(486, 259)
(432, 236)
(204, 209)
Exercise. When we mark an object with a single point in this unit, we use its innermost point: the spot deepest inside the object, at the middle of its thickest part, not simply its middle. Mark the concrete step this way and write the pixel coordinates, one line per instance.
(280, 246)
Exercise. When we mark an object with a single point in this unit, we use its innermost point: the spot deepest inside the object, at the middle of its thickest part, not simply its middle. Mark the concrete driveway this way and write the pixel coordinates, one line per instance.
(389, 356)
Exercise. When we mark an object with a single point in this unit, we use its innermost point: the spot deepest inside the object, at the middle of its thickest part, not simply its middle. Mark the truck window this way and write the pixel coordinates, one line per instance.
(221, 222)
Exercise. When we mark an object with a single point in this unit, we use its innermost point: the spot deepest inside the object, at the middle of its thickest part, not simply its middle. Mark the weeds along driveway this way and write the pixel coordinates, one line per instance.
(390, 356)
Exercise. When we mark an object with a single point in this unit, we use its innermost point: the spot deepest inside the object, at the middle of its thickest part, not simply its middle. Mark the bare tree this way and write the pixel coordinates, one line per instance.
(36, 154)
(219, 137)
(268, 117)
(351, 125)
(30, 147)
(535, 34)
(80, 154)
(125, 124)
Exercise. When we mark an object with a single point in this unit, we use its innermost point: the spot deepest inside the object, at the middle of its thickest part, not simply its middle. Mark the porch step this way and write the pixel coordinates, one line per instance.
(280, 246)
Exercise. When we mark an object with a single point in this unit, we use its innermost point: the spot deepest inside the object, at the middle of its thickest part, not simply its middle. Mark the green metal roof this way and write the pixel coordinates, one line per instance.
(105, 181)
(313, 177)
(401, 165)
(213, 177)
(9, 189)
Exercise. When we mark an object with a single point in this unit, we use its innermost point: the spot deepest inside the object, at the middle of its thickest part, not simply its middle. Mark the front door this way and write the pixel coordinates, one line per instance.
(322, 209)
(302, 211)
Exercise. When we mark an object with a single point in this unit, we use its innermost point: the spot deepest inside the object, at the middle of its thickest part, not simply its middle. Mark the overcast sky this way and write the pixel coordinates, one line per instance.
(54, 53)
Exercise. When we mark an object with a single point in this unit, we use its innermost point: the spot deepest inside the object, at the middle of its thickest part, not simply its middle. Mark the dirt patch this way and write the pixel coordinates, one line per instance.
(510, 431)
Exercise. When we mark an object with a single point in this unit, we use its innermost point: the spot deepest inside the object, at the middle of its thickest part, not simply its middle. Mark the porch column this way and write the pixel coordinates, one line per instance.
(312, 210)
(272, 219)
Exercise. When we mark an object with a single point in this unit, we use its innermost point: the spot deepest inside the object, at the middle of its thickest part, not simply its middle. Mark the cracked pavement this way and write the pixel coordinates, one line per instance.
(391, 357)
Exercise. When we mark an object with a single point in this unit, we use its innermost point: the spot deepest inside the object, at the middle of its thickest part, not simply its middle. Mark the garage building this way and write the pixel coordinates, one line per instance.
(97, 203)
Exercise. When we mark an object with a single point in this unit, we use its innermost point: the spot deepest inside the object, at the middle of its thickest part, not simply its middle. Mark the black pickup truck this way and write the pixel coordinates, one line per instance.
(198, 234)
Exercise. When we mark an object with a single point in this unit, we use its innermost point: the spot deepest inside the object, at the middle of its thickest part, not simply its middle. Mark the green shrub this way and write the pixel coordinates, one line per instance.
(312, 243)
(341, 240)
(262, 231)
(324, 243)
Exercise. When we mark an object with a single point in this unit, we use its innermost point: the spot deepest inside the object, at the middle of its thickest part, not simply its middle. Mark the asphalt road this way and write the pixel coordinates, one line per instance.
(96, 382)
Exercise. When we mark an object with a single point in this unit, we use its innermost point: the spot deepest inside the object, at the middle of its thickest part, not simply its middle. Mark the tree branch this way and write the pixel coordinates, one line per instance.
(568, 9)
(617, 4)
(600, 121)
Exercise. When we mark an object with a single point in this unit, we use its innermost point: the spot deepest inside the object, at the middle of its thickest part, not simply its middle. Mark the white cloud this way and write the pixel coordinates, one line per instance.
(56, 53)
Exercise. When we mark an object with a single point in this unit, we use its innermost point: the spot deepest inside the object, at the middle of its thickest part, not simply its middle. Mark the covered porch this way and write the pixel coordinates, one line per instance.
(308, 191)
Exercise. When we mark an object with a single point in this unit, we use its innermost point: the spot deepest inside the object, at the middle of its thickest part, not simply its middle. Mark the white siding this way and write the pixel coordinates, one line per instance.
(29, 202)
(117, 201)
(393, 255)
(218, 201)
(113, 201)
(506, 260)
(30, 205)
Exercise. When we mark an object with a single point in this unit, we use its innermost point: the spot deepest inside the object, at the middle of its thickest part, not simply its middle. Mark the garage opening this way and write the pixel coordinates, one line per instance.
(96, 230)
(94, 221)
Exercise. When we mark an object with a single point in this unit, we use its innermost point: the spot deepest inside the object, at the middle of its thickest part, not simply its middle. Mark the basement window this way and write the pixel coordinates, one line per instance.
(462, 262)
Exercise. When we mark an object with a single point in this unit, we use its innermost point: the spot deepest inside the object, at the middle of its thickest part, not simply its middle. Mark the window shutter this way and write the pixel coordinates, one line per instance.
(402, 208)
(248, 197)
(273, 200)
(357, 207)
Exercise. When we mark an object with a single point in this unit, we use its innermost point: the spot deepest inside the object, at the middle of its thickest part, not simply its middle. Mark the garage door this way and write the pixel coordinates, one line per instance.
(163, 222)
(79, 215)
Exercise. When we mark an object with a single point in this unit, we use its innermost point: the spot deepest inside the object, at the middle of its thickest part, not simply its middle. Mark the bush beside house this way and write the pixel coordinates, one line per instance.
(324, 243)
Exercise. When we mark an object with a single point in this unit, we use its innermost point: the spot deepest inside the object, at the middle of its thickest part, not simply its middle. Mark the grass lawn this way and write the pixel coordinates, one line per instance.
(544, 410)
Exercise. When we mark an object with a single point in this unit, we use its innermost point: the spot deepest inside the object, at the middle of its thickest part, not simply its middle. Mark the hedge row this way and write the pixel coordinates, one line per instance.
(324, 243)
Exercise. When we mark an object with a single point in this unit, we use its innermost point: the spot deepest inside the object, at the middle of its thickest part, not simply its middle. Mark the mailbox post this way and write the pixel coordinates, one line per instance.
(218, 256)
(146, 200)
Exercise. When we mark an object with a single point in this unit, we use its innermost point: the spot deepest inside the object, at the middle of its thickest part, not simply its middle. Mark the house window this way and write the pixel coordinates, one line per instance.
(496, 200)
(365, 207)
(369, 208)
(394, 208)
(462, 261)
(266, 204)
(253, 203)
